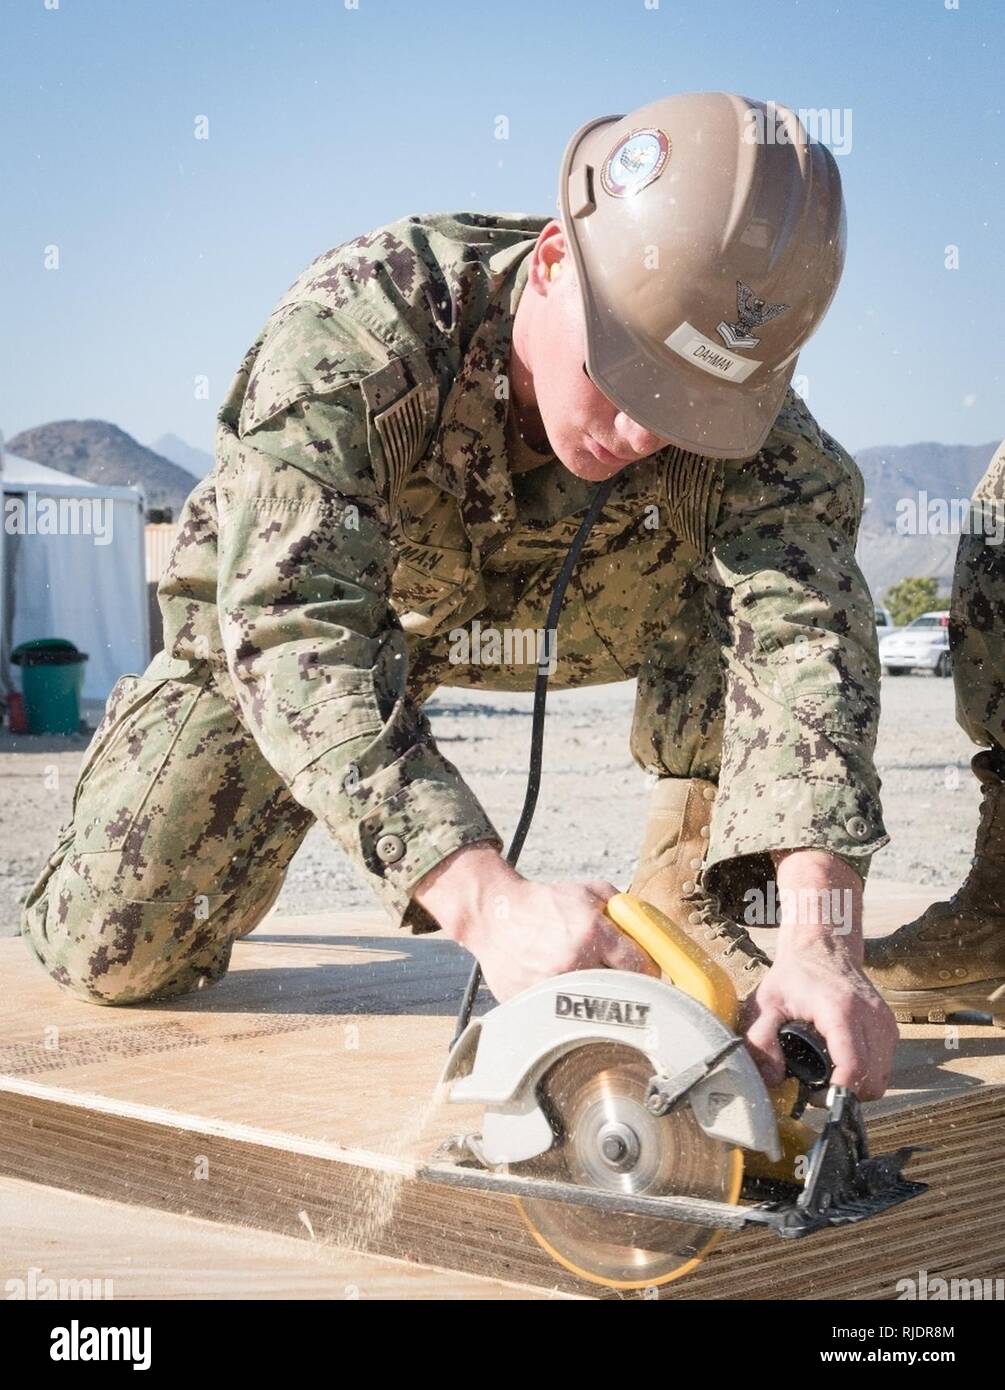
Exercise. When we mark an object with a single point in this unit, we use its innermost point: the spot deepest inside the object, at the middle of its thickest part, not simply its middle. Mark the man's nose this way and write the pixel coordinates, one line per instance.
(636, 437)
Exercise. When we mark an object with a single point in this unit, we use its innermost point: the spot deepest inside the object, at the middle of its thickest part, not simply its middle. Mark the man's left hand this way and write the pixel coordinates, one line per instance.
(817, 976)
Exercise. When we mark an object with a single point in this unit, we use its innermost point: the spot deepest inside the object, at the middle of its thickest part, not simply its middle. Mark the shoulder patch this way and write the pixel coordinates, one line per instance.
(306, 350)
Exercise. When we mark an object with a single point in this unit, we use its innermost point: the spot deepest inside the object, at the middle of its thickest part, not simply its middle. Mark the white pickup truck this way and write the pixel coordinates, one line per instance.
(921, 646)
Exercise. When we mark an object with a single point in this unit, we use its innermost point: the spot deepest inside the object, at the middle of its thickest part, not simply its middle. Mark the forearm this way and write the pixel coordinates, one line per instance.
(466, 889)
(819, 899)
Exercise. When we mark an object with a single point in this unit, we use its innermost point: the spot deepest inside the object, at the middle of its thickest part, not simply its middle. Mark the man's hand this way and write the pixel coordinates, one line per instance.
(817, 976)
(522, 932)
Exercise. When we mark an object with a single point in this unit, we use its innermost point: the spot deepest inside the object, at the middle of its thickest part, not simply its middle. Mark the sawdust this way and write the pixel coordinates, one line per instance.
(374, 1192)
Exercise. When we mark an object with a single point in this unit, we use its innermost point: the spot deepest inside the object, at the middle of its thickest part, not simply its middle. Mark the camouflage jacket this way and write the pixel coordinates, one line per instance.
(361, 510)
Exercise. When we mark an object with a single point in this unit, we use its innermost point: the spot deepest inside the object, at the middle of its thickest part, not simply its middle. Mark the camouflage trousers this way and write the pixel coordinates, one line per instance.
(146, 900)
(977, 640)
(180, 840)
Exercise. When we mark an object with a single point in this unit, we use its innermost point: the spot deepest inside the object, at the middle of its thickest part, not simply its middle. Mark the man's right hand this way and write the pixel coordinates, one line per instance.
(522, 932)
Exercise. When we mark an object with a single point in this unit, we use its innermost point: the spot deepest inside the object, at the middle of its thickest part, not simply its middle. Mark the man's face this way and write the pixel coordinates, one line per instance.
(591, 435)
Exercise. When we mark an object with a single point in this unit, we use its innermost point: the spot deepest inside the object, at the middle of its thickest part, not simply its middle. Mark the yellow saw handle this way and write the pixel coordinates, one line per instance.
(681, 960)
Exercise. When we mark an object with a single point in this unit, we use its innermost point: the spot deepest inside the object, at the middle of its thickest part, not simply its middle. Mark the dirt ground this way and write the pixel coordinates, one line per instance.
(593, 799)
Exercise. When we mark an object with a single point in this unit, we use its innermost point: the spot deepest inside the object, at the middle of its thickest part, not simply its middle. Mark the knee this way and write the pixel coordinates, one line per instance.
(87, 974)
(106, 949)
(91, 977)
(79, 983)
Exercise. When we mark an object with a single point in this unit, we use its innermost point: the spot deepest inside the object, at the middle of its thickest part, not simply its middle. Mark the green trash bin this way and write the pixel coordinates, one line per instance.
(52, 675)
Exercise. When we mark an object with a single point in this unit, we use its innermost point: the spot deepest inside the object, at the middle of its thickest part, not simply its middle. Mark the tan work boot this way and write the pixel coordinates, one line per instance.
(953, 956)
(670, 861)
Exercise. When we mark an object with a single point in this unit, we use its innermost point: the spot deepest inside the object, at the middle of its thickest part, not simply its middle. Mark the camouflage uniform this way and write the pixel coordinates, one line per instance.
(952, 956)
(977, 617)
(361, 511)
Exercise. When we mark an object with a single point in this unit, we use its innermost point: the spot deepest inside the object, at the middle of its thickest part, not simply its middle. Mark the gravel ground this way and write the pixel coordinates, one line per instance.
(592, 805)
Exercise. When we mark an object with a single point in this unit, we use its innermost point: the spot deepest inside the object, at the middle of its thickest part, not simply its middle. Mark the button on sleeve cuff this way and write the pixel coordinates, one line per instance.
(396, 821)
(795, 813)
(405, 837)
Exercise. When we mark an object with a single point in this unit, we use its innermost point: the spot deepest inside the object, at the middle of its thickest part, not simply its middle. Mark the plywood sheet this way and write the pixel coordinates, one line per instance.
(107, 1249)
(295, 1098)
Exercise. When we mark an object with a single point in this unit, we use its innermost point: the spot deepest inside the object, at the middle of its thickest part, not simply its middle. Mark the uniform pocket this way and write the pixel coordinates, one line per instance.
(350, 712)
(121, 701)
(143, 721)
(432, 586)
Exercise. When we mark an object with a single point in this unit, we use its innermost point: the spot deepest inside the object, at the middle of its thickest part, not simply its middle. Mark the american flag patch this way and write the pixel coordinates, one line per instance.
(691, 481)
(405, 424)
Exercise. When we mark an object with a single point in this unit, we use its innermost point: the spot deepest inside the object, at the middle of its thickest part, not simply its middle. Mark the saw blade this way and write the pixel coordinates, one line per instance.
(594, 1097)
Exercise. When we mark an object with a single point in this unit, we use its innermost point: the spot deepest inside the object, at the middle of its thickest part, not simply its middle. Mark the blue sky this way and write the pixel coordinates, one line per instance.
(325, 121)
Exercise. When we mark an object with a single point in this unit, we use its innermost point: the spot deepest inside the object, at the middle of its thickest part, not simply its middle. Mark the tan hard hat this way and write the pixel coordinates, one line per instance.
(708, 234)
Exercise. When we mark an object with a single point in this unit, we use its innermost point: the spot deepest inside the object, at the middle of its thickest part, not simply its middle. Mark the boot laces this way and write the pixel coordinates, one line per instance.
(706, 910)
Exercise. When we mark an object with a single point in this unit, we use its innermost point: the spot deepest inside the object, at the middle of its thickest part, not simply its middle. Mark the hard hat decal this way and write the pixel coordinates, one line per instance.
(635, 161)
(751, 313)
(688, 343)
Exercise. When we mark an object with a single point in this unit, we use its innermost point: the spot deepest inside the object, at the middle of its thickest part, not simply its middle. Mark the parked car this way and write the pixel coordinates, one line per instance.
(884, 621)
(921, 646)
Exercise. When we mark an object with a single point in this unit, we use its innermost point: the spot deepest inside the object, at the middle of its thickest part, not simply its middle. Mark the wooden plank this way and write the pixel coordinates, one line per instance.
(307, 1189)
(347, 1198)
(85, 1245)
(295, 1098)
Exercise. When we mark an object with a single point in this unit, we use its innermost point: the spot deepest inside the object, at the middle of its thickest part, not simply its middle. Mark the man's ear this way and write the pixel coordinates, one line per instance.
(549, 255)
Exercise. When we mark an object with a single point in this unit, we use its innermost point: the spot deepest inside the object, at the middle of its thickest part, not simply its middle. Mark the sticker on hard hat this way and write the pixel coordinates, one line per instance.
(709, 356)
(635, 162)
(752, 312)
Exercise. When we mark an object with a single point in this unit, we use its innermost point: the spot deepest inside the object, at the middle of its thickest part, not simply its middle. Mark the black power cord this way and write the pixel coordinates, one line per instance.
(596, 506)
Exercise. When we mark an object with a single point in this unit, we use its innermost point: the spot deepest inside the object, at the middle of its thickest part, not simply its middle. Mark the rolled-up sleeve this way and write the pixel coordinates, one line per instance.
(801, 660)
(315, 650)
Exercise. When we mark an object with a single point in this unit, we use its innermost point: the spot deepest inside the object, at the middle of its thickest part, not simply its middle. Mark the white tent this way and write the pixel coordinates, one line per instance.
(72, 565)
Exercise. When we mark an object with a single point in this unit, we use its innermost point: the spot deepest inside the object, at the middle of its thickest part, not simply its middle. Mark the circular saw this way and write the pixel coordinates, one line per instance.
(626, 1117)
(607, 1139)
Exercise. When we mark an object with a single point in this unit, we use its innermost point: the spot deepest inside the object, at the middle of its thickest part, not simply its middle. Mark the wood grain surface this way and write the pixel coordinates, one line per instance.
(295, 1099)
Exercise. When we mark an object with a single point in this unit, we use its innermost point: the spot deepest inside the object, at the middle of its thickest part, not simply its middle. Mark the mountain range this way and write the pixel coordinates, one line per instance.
(896, 476)
(102, 453)
(198, 462)
(899, 480)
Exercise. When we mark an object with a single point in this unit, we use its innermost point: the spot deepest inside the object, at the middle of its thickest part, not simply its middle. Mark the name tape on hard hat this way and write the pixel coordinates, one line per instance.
(709, 356)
